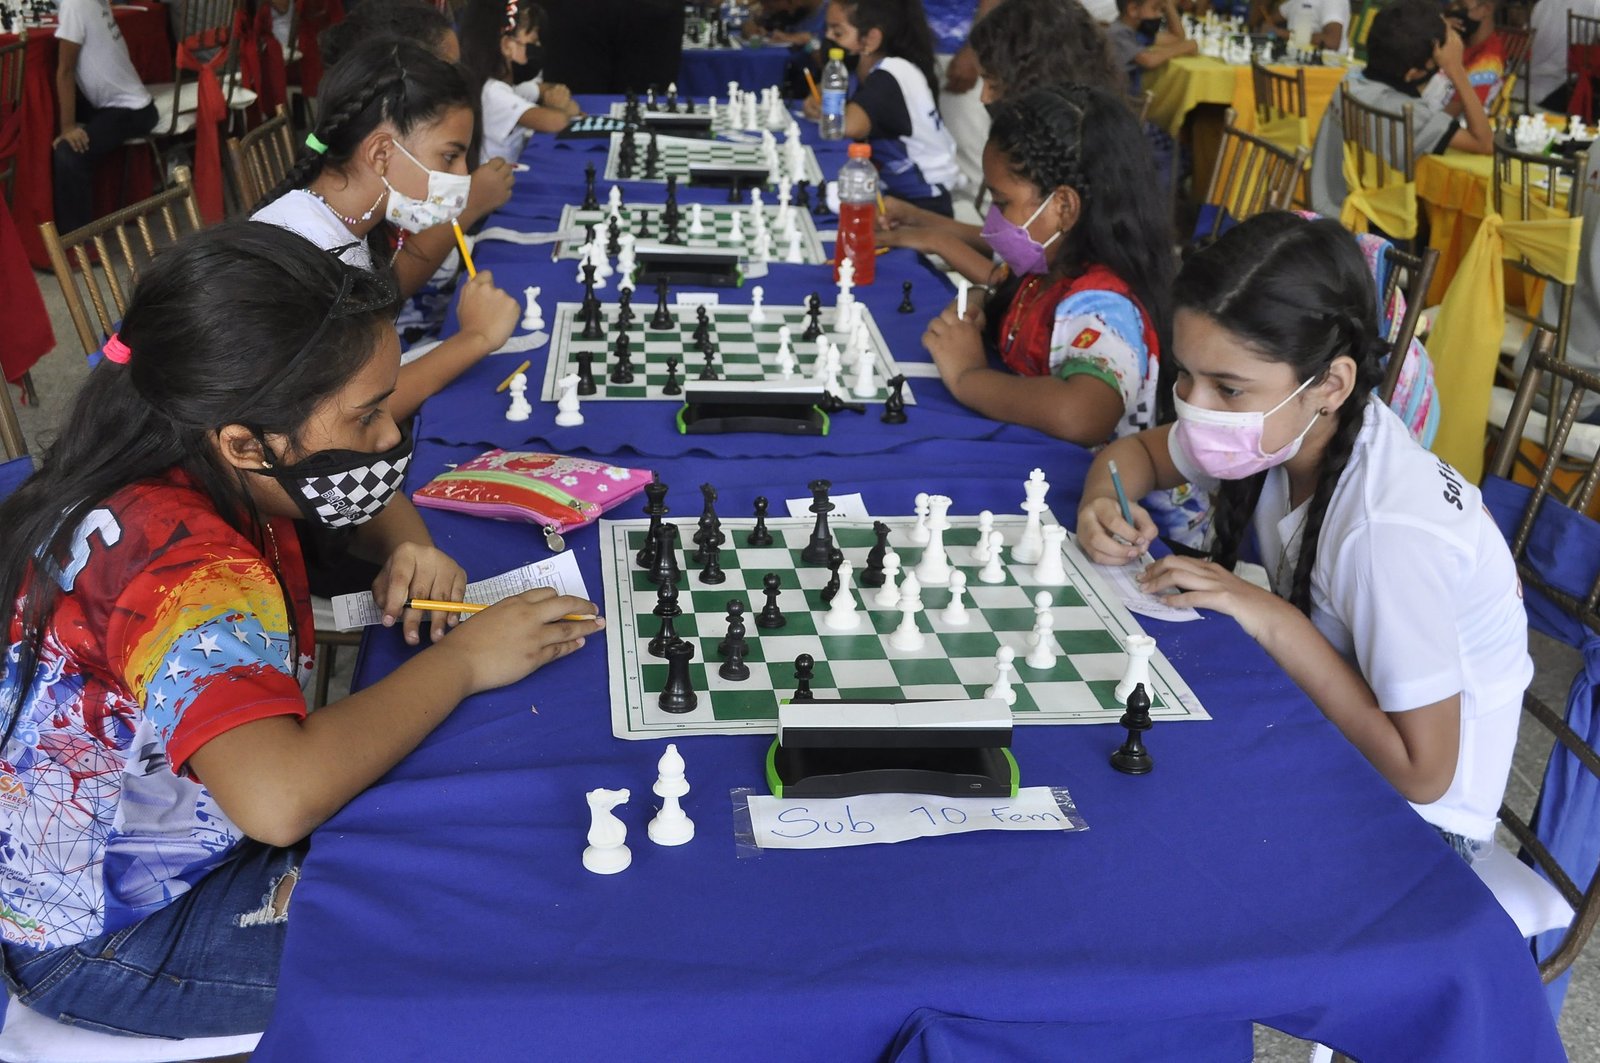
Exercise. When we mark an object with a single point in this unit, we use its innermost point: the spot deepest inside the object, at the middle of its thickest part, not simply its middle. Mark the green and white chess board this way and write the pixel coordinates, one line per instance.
(716, 221)
(678, 154)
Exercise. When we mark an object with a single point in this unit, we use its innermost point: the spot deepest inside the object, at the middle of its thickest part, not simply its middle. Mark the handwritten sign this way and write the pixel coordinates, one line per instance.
(878, 819)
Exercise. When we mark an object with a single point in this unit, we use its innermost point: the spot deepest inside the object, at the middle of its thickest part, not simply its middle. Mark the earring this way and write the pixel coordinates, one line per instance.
(266, 464)
(1322, 411)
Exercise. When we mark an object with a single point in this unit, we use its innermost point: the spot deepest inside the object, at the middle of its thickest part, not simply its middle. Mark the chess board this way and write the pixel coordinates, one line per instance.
(745, 352)
(677, 154)
(717, 220)
(721, 123)
(955, 662)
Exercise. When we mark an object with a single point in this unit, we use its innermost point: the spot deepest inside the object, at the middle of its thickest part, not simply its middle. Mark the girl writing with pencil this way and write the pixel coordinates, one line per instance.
(1394, 603)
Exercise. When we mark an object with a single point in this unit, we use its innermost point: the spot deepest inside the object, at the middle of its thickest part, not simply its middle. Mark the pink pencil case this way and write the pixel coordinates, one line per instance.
(557, 493)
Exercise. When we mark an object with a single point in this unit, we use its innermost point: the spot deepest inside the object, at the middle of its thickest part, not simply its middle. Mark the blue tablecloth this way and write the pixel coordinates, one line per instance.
(1264, 872)
(706, 72)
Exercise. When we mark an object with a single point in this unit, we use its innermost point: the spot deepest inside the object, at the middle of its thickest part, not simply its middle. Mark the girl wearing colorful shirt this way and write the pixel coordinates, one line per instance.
(158, 769)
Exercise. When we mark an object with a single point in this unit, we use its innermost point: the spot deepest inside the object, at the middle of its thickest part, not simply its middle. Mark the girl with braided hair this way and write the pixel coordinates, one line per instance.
(1394, 602)
(495, 39)
(386, 163)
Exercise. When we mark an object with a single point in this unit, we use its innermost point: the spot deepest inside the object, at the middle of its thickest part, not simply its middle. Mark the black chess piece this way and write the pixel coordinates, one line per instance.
(589, 200)
(831, 590)
(586, 385)
(818, 550)
(709, 370)
(650, 98)
(666, 566)
(670, 208)
(662, 319)
(735, 642)
(622, 368)
(667, 610)
(759, 535)
(671, 232)
(804, 668)
(673, 386)
(678, 695)
(906, 305)
(813, 317)
(643, 231)
(1131, 757)
(712, 572)
(771, 616)
(734, 669)
(652, 158)
(708, 503)
(672, 99)
(802, 194)
(613, 238)
(702, 324)
(735, 190)
(630, 105)
(655, 507)
(625, 308)
(894, 407)
(872, 576)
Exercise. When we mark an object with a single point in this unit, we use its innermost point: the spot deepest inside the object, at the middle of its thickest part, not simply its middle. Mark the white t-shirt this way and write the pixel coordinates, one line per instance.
(301, 212)
(280, 26)
(1102, 11)
(1414, 585)
(503, 138)
(531, 89)
(1307, 17)
(1547, 61)
(105, 71)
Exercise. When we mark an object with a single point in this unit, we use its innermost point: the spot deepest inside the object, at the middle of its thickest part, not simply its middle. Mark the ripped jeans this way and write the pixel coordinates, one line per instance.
(206, 965)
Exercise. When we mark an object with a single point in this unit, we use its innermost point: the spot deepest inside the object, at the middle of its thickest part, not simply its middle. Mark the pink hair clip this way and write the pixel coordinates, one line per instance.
(116, 350)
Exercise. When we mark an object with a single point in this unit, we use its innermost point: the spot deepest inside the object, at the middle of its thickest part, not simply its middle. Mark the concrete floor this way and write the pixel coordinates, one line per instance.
(56, 379)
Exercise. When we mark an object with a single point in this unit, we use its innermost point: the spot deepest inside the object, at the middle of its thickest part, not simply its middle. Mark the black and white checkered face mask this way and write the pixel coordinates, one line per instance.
(343, 488)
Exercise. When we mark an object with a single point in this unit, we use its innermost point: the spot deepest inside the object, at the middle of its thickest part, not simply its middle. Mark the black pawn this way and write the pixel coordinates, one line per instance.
(702, 324)
(622, 369)
(804, 668)
(873, 575)
(802, 195)
(672, 100)
(652, 158)
(678, 695)
(831, 590)
(643, 231)
(894, 407)
(709, 350)
(771, 616)
(672, 386)
(586, 384)
(625, 308)
(666, 566)
(667, 610)
(735, 642)
(906, 305)
(662, 318)
(713, 573)
(670, 207)
(820, 549)
(1131, 758)
(813, 317)
(589, 200)
(655, 507)
(759, 535)
(734, 669)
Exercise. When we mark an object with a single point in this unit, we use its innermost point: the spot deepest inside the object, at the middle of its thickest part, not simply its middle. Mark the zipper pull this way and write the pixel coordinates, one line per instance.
(552, 538)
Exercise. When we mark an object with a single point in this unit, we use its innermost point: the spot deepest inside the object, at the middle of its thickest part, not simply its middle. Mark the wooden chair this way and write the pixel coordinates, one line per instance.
(1384, 143)
(13, 67)
(1278, 95)
(260, 159)
(12, 442)
(1580, 608)
(1411, 274)
(1527, 186)
(1251, 176)
(178, 101)
(107, 254)
(1518, 44)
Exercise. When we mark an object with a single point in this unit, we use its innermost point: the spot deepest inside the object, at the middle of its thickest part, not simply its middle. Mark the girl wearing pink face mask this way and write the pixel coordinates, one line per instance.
(1394, 603)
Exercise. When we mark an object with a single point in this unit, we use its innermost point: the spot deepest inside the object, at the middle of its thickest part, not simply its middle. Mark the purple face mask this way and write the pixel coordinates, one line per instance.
(1012, 243)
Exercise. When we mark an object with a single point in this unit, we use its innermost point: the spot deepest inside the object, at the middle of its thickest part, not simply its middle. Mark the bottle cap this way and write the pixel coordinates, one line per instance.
(836, 53)
(859, 150)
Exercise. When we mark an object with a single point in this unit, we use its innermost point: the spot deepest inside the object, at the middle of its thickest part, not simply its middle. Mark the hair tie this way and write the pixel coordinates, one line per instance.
(116, 350)
(511, 16)
(316, 145)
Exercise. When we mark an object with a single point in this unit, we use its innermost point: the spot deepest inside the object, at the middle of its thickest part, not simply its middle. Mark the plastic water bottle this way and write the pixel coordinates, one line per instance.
(858, 214)
(835, 87)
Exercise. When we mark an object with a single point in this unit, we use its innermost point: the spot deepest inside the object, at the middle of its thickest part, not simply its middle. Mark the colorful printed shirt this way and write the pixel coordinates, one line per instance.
(171, 629)
(1486, 68)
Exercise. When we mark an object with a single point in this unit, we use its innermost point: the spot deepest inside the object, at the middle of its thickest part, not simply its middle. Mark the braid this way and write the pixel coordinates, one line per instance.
(329, 124)
(1233, 504)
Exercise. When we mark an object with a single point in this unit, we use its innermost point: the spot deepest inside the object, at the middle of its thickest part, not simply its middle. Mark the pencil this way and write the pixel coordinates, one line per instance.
(428, 604)
(523, 368)
(1122, 496)
(466, 256)
(816, 94)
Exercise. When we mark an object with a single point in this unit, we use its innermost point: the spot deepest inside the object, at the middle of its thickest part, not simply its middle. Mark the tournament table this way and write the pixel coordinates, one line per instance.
(706, 71)
(1264, 872)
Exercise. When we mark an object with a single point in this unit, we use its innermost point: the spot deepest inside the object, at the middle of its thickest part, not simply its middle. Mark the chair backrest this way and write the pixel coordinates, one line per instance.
(1278, 95)
(1410, 274)
(106, 255)
(1517, 44)
(1582, 29)
(1536, 187)
(12, 442)
(261, 158)
(195, 24)
(1384, 141)
(1251, 175)
(1580, 606)
(13, 66)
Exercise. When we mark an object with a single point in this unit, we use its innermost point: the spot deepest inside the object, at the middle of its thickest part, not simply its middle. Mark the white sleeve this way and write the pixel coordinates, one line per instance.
(531, 89)
(72, 21)
(1337, 11)
(502, 108)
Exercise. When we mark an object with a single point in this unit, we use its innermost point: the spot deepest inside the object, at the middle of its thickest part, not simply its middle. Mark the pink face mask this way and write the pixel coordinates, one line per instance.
(1012, 242)
(1227, 446)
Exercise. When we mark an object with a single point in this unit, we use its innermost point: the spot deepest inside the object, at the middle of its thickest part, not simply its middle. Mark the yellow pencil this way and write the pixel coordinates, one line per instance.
(513, 375)
(428, 604)
(816, 94)
(466, 256)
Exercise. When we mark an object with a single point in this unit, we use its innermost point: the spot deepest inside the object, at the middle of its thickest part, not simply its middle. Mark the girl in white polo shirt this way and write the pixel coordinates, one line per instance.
(494, 42)
(1395, 604)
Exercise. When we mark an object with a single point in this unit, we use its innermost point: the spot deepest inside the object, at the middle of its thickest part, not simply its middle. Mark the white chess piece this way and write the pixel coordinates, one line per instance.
(847, 282)
(532, 313)
(1042, 603)
(568, 413)
(671, 826)
(602, 265)
(1043, 642)
(933, 570)
(842, 615)
(962, 287)
(785, 351)
(908, 636)
(762, 252)
(830, 371)
(520, 410)
(608, 852)
(793, 255)
(1051, 571)
(711, 109)
(736, 229)
(1031, 546)
(1140, 649)
(956, 612)
(919, 532)
(1003, 667)
(994, 569)
(758, 313)
(888, 595)
(758, 216)
(696, 225)
(866, 385)
(980, 549)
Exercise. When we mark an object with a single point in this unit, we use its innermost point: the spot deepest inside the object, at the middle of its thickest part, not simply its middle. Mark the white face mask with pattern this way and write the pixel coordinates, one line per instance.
(447, 198)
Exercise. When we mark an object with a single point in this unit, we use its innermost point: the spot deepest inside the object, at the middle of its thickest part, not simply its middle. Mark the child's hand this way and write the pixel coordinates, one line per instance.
(962, 73)
(557, 96)
(491, 187)
(1448, 54)
(812, 108)
(1207, 585)
(519, 635)
(1107, 538)
(487, 312)
(417, 571)
(897, 212)
(76, 138)
(956, 342)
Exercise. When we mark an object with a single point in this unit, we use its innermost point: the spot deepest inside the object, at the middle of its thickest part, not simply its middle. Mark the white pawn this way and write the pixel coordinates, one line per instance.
(842, 615)
(956, 612)
(711, 109)
(908, 636)
(888, 595)
(1043, 641)
(757, 214)
(1051, 571)
(568, 414)
(1042, 603)
(794, 255)
(520, 410)
(626, 256)
(919, 533)
(696, 225)
(736, 228)
(1003, 667)
(671, 826)
(980, 550)
(994, 569)
(1140, 649)
(758, 314)
(608, 852)
(602, 266)
(532, 313)
(785, 352)
(866, 385)
(762, 252)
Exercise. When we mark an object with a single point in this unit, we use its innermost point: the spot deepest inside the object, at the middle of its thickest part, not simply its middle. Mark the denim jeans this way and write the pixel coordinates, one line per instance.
(206, 965)
(108, 128)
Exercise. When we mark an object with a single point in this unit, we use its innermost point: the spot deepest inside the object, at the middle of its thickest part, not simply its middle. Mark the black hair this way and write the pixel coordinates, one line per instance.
(482, 26)
(412, 20)
(1297, 291)
(242, 323)
(1087, 139)
(1029, 44)
(905, 30)
(1402, 38)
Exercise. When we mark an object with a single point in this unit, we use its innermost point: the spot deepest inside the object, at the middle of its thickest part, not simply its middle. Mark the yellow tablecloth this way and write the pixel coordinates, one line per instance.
(1182, 84)
(1454, 190)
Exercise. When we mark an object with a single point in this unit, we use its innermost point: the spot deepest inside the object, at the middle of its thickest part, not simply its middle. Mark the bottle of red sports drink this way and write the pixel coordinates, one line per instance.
(858, 214)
